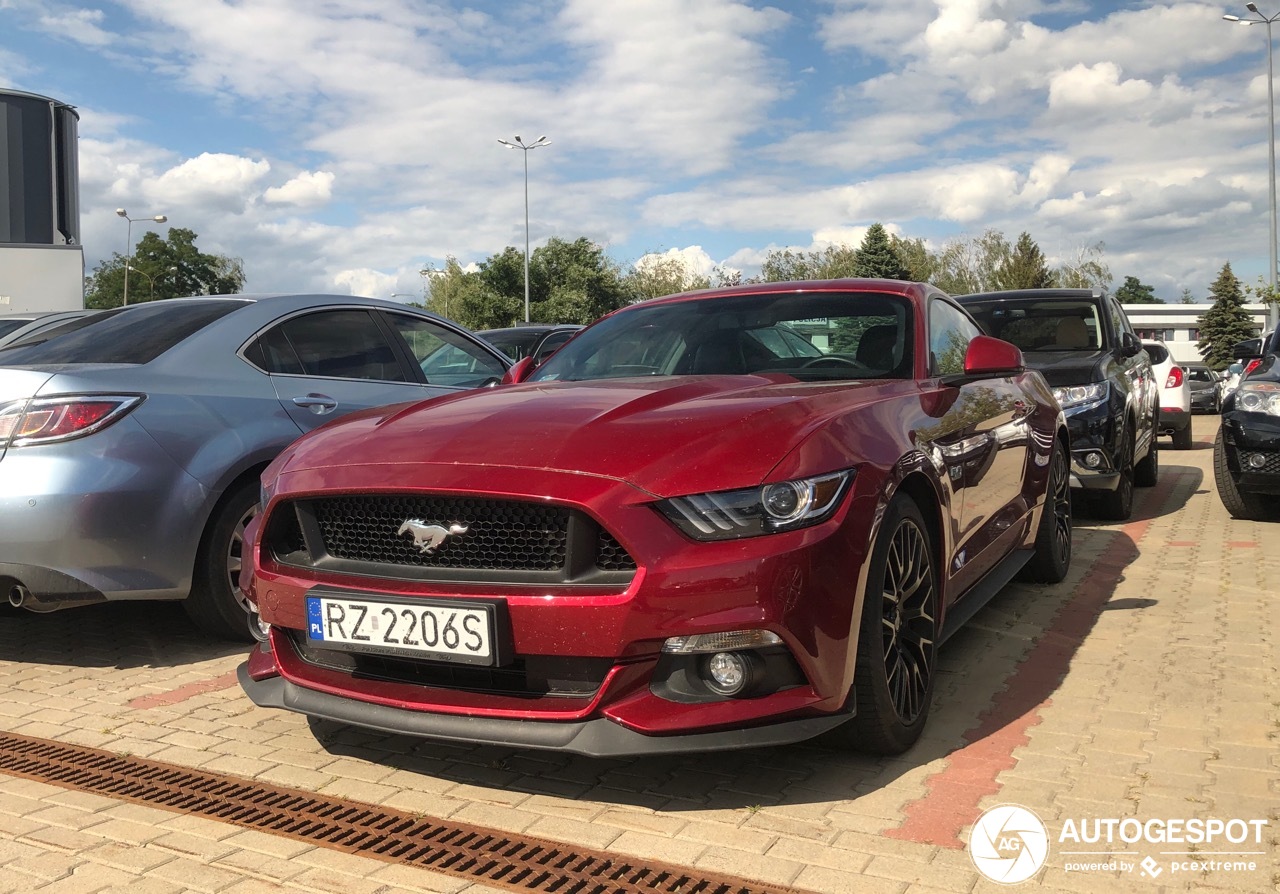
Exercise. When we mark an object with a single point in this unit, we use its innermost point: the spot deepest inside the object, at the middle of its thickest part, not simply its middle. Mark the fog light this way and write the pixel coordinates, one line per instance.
(727, 672)
(1092, 459)
(732, 674)
(1256, 460)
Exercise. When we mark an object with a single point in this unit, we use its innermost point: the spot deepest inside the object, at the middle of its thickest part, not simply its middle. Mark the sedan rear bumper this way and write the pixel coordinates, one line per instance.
(599, 737)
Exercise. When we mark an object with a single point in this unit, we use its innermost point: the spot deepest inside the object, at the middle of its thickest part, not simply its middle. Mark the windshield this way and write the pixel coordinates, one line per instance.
(1041, 325)
(809, 336)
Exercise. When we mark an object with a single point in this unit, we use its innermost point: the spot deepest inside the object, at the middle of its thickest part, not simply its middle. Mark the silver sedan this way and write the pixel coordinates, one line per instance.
(130, 447)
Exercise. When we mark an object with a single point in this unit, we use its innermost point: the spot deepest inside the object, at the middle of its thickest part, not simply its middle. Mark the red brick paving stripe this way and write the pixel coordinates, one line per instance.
(970, 775)
(182, 693)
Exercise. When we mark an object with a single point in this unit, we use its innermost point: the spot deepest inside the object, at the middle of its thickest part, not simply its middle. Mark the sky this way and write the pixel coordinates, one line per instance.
(346, 145)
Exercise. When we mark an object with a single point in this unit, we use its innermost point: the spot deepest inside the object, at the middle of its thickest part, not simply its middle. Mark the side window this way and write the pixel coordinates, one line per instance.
(950, 332)
(446, 357)
(335, 344)
(551, 344)
(1119, 322)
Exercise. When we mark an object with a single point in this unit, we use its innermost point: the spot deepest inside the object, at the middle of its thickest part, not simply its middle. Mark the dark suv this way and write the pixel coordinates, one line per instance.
(1082, 343)
(1246, 453)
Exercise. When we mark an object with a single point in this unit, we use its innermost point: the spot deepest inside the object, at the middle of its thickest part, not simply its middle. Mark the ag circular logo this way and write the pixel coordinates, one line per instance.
(1008, 844)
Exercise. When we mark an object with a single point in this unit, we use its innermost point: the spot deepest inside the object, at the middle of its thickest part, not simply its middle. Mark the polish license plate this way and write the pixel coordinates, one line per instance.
(440, 630)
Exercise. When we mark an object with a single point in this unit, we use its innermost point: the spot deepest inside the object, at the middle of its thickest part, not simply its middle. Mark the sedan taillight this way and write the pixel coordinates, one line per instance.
(1175, 378)
(45, 420)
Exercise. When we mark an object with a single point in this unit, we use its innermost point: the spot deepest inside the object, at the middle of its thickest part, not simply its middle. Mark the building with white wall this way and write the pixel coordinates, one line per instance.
(1178, 325)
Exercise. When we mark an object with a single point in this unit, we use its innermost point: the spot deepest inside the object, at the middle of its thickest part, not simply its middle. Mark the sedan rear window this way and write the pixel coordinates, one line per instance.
(137, 334)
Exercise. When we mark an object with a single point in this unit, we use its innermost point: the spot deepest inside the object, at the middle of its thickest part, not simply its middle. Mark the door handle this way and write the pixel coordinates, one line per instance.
(320, 404)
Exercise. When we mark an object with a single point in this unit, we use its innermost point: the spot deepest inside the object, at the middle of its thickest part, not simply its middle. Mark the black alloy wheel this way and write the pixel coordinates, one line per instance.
(1052, 557)
(898, 638)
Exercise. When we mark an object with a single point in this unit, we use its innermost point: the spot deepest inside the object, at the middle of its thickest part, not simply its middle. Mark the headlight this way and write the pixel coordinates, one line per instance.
(1078, 397)
(750, 512)
(1259, 397)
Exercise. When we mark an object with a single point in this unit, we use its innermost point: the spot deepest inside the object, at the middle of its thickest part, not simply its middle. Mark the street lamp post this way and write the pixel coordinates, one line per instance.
(1273, 313)
(521, 144)
(151, 280)
(159, 218)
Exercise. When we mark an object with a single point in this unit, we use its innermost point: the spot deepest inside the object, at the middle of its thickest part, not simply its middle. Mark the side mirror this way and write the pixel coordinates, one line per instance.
(1247, 349)
(1130, 345)
(518, 373)
(987, 356)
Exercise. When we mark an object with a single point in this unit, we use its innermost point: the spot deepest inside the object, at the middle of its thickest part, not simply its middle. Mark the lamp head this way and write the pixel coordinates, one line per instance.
(159, 218)
(121, 212)
(1231, 18)
(1252, 7)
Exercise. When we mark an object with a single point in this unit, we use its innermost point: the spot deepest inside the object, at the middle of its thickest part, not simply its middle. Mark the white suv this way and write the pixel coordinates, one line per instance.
(1175, 394)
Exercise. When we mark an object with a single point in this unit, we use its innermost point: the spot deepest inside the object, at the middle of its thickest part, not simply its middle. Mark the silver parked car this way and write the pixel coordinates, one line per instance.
(130, 447)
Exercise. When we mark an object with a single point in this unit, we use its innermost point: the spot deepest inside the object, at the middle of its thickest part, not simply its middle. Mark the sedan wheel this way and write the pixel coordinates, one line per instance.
(898, 640)
(1240, 504)
(216, 604)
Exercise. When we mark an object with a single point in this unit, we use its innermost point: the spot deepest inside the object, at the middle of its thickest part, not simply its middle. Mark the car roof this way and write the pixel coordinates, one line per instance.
(904, 288)
(1026, 294)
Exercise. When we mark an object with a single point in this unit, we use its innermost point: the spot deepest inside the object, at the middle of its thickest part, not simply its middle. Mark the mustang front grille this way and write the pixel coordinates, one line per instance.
(446, 538)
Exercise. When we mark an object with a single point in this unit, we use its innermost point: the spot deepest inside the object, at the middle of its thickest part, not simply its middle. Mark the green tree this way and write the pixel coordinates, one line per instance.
(919, 262)
(1262, 292)
(1087, 270)
(163, 268)
(1024, 268)
(1134, 291)
(1187, 297)
(569, 282)
(832, 262)
(656, 275)
(876, 257)
(969, 264)
(1226, 322)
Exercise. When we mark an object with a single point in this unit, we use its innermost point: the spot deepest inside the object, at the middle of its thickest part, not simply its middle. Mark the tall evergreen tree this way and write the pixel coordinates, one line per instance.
(1134, 291)
(1226, 322)
(876, 257)
(1024, 268)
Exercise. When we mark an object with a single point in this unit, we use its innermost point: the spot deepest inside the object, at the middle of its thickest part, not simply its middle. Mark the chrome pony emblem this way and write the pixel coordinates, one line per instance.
(428, 538)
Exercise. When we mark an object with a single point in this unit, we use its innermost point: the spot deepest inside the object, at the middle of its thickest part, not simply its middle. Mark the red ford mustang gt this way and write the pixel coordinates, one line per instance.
(721, 519)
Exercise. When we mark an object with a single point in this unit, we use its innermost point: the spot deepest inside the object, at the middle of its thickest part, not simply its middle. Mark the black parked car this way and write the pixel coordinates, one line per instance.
(1083, 344)
(1246, 453)
(537, 340)
(1206, 388)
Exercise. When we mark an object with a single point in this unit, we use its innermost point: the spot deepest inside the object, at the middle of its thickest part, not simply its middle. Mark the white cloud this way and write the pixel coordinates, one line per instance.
(212, 180)
(1095, 86)
(307, 190)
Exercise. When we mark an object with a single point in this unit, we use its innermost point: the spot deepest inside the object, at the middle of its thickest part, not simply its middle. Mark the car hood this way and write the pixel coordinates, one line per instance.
(1062, 368)
(665, 436)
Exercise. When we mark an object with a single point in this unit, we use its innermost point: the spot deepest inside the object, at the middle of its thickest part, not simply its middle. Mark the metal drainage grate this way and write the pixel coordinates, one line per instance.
(470, 852)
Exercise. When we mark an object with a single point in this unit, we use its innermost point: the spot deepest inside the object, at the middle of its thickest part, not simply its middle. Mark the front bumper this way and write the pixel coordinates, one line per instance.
(802, 585)
(1251, 442)
(1093, 435)
(600, 737)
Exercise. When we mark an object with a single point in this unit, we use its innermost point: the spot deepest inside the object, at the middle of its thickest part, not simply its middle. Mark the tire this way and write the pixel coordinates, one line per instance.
(1240, 504)
(1182, 438)
(1052, 558)
(898, 639)
(1117, 505)
(1147, 472)
(215, 604)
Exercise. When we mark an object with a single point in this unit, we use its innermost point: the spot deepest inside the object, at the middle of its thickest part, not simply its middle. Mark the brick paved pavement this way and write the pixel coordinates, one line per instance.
(1144, 686)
